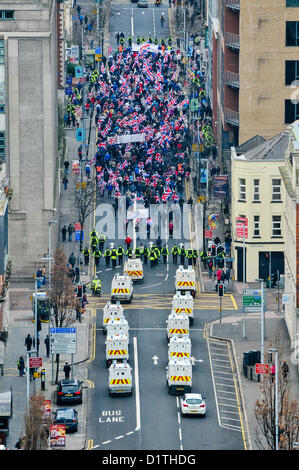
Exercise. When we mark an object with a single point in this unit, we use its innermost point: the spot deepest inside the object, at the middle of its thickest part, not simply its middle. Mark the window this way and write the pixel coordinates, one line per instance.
(256, 190)
(2, 146)
(291, 111)
(292, 33)
(291, 71)
(292, 3)
(256, 225)
(276, 190)
(7, 15)
(276, 225)
(242, 189)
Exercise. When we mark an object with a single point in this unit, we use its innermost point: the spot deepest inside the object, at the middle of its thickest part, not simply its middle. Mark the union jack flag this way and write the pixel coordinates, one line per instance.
(175, 197)
(165, 197)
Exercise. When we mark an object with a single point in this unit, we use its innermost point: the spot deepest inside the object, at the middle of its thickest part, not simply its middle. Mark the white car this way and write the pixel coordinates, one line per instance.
(193, 403)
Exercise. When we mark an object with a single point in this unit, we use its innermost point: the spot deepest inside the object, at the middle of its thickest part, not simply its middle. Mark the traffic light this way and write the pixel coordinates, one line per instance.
(213, 251)
(80, 291)
(220, 290)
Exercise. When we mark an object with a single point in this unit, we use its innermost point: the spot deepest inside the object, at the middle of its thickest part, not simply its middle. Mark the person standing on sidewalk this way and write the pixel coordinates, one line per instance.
(70, 230)
(47, 343)
(66, 370)
(21, 366)
(66, 167)
(28, 342)
(64, 232)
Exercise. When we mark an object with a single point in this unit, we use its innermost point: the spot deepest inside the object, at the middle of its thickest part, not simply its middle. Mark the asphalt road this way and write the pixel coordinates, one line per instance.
(150, 419)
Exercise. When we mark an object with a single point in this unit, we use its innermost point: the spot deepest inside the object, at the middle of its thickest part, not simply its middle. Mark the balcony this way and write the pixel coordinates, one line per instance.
(232, 79)
(233, 5)
(231, 117)
(233, 41)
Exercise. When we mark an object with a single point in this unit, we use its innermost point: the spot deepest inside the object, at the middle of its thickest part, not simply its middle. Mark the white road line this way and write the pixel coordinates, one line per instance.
(106, 442)
(132, 24)
(154, 23)
(129, 433)
(136, 384)
(153, 285)
(119, 437)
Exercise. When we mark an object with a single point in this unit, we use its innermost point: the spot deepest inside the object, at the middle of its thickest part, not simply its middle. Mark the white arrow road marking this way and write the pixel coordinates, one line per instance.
(155, 359)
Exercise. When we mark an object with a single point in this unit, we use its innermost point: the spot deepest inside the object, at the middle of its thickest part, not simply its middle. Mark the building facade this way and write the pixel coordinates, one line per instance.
(28, 34)
(258, 195)
(255, 59)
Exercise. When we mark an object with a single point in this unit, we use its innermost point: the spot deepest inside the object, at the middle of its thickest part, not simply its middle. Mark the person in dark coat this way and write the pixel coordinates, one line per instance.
(28, 342)
(47, 343)
(64, 232)
(66, 370)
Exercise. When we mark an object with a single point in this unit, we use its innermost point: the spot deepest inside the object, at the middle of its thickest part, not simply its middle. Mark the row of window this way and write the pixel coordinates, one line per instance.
(7, 15)
(276, 190)
(276, 226)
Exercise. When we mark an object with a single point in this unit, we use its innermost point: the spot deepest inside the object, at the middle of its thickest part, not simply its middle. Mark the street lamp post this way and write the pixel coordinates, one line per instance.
(262, 319)
(50, 252)
(274, 350)
(28, 375)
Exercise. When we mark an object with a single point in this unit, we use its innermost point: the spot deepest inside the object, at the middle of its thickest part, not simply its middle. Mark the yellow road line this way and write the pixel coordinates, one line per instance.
(89, 444)
(93, 345)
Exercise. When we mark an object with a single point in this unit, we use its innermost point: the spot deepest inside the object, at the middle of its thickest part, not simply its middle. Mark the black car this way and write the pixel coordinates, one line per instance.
(69, 391)
(68, 417)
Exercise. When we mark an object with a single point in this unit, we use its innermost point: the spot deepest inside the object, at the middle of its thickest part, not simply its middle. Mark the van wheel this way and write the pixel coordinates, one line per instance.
(190, 321)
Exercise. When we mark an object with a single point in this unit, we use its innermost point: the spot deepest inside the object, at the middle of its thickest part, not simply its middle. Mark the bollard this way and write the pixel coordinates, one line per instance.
(43, 379)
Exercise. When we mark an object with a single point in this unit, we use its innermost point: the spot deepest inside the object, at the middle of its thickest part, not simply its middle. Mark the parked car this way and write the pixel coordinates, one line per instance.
(142, 4)
(68, 417)
(69, 391)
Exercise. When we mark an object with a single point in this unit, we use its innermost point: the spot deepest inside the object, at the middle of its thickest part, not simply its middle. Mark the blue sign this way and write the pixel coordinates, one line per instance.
(203, 176)
(80, 135)
(68, 90)
(98, 51)
(69, 80)
(63, 330)
(78, 234)
(79, 71)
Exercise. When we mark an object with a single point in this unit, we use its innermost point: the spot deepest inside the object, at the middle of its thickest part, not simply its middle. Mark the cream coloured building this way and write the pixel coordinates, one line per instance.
(258, 195)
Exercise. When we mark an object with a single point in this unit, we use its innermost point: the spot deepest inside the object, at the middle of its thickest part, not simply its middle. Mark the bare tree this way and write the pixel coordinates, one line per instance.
(84, 194)
(288, 413)
(36, 425)
(62, 296)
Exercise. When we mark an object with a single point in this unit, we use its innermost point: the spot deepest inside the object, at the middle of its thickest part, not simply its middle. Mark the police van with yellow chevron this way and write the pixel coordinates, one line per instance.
(183, 304)
(120, 378)
(134, 269)
(117, 348)
(111, 311)
(179, 347)
(177, 325)
(179, 376)
(185, 280)
(121, 288)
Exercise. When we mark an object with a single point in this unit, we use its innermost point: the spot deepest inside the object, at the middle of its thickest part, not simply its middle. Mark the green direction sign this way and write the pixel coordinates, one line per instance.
(194, 104)
(252, 300)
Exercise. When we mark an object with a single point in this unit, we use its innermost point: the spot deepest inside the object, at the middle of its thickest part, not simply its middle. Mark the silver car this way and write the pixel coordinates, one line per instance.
(142, 4)
(193, 403)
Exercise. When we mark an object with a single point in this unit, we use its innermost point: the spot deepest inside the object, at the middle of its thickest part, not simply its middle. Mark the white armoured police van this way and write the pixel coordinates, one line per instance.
(177, 325)
(117, 348)
(179, 347)
(185, 280)
(121, 288)
(120, 378)
(134, 269)
(179, 376)
(111, 311)
(183, 304)
(117, 326)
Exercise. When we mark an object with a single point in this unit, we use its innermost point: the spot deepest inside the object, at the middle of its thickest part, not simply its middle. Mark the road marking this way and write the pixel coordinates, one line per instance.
(153, 285)
(136, 384)
(154, 23)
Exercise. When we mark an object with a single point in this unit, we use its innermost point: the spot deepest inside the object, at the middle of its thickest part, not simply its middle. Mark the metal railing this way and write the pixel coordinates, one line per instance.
(231, 117)
(233, 4)
(232, 40)
(232, 79)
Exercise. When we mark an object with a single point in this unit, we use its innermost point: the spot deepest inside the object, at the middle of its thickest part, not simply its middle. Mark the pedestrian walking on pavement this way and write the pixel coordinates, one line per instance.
(64, 232)
(66, 167)
(72, 260)
(47, 343)
(21, 366)
(70, 230)
(28, 342)
(66, 370)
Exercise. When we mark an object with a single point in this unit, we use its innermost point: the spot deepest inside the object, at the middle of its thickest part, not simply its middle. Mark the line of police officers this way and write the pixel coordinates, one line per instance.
(120, 37)
(152, 253)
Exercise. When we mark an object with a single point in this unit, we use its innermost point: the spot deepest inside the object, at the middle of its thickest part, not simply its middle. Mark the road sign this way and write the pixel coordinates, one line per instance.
(208, 233)
(35, 362)
(252, 300)
(241, 225)
(262, 368)
(57, 435)
(63, 340)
